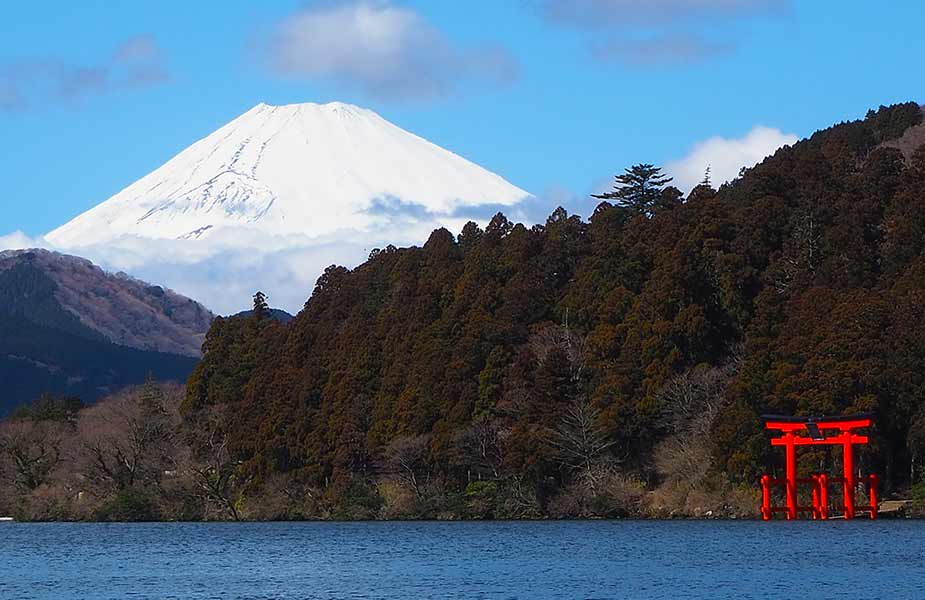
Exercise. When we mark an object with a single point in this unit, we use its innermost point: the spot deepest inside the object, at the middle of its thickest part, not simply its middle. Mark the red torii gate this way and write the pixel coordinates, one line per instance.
(814, 431)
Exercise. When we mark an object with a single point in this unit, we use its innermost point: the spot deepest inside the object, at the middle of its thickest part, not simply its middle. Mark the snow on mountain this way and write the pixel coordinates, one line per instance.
(299, 169)
(271, 199)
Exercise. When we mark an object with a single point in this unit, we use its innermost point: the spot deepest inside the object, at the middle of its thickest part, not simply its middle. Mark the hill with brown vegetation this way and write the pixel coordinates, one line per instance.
(68, 327)
(121, 309)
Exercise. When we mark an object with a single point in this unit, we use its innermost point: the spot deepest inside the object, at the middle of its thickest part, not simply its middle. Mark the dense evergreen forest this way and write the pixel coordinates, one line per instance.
(614, 366)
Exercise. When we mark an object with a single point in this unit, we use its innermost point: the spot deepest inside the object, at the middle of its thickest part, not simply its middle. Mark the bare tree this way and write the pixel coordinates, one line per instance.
(802, 252)
(555, 337)
(691, 403)
(211, 467)
(128, 440)
(480, 447)
(580, 441)
(406, 459)
(520, 501)
(31, 450)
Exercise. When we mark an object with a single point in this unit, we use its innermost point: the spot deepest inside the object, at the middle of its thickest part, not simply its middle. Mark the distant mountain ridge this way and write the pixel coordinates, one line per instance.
(75, 295)
(68, 327)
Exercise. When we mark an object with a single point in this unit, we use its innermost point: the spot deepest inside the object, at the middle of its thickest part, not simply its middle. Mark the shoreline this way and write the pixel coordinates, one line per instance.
(916, 516)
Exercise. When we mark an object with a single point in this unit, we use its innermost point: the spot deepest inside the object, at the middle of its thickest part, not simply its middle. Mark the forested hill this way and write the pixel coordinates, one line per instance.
(68, 327)
(644, 342)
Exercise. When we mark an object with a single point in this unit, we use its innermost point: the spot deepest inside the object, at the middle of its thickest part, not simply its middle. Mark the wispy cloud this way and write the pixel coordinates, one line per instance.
(726, 156)
(387, 51)
(138, 49)
(656, 32)
(29, 82)
(665, 50)
(607, 13)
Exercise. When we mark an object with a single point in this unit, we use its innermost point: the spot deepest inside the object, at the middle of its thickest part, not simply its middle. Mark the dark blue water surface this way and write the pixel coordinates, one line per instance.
(622, 559)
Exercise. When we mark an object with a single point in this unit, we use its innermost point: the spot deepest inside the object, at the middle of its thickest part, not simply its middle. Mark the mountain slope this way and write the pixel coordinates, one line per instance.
(72, 294)
(67, 327)
(35, 359)
(302, 169)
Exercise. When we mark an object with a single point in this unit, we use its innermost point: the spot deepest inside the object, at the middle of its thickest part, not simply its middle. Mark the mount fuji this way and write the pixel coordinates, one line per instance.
(298, 169)
(275, 196)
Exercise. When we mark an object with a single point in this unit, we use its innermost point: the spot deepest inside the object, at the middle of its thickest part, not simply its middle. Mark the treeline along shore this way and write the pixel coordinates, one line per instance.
(614, 367)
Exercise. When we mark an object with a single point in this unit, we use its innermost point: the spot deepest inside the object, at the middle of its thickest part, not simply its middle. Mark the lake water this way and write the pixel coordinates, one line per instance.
(607, 559)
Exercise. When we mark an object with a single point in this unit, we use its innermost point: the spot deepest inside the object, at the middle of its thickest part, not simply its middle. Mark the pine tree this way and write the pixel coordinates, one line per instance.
(638, 189)
(706, 178)
(261, 308)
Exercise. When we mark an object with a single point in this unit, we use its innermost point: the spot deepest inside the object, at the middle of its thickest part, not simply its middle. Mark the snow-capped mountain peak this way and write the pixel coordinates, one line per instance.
(307, 169)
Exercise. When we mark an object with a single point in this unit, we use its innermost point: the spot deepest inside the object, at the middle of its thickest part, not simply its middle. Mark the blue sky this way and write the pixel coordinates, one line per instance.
(556, 103)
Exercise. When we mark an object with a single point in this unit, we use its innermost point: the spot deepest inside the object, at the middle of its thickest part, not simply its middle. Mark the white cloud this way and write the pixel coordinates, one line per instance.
(225, 279)
(20, 241)
(224, 271)
(387, 51)
(225, 268)
(726, 156)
